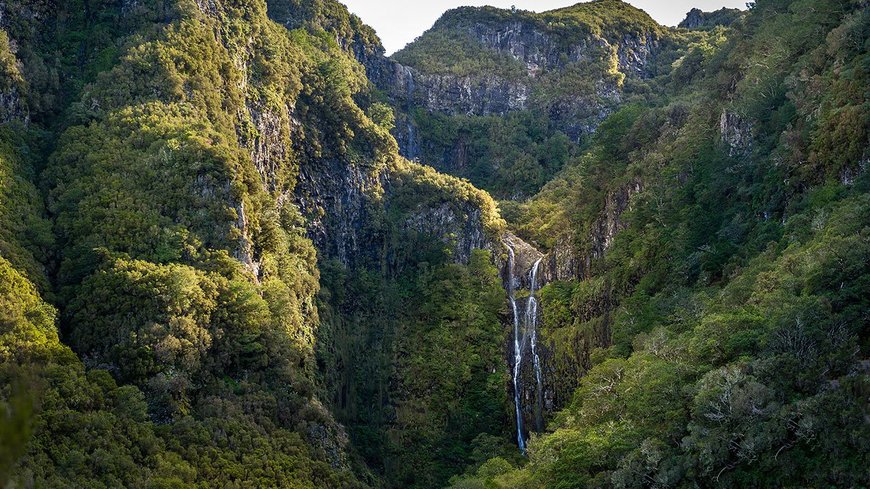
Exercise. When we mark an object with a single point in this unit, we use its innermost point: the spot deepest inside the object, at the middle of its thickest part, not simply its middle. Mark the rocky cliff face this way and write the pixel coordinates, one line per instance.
(541, 53)
(525, 255)
(462, 230)
(698, 19)
(336, 199)
(12, 85)
(483, 72)
(12, 107)
(573, 256)
(736, 133)
(346, 206)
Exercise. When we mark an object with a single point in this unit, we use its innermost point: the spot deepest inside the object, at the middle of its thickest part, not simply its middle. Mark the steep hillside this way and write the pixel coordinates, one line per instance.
(706, 317)
(201, 164)
(217, 268)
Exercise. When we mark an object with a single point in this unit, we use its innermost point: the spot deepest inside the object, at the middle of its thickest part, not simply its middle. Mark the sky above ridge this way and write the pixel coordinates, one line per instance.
(399, 22)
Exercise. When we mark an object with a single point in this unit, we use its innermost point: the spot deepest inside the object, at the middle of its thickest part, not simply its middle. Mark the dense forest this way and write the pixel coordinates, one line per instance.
(241, 247)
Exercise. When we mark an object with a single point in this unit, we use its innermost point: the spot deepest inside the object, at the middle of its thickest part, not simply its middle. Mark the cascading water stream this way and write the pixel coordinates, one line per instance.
(532, 326)
(517, 350)
(525, 327)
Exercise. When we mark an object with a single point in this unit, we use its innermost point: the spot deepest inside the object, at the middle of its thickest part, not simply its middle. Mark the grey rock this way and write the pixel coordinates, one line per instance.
(12, 107)
(736, 133)
(543, 54)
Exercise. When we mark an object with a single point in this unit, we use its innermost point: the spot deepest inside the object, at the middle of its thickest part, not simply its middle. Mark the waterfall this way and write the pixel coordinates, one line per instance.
(532, 324)
(518, 351)
(525, 327)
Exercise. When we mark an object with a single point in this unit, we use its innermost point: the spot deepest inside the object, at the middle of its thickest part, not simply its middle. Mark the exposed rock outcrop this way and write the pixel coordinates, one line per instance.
(565, 262)
(698, 19)
(525, 255)
(542, 51)
(693, 20)
(462, 231)
(12, 106)
(12, 85)
(344, 201)
(736, 133)
(334, 196)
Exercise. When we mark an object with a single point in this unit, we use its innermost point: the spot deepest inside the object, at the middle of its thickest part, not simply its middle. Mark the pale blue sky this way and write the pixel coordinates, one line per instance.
(398, 22)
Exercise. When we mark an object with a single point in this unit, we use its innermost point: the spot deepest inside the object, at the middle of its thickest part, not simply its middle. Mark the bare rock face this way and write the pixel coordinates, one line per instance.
(270, 147)
(698, 19)
(525, 256)
(693, 20)
(610, 222)
(736, 133)
(244, 251)
(541, 53)
(461, 230)
(342, 201)
(447, 93)
(12, 107)
(335, 197)
(326, 436)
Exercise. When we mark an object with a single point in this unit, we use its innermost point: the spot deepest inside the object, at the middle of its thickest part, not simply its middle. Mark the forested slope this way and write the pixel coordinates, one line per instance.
(216, 270)
(186, 156)
(718, 324)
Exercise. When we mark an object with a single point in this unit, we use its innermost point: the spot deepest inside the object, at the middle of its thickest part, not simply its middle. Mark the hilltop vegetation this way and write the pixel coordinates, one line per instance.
(449, 46)
(562, 72)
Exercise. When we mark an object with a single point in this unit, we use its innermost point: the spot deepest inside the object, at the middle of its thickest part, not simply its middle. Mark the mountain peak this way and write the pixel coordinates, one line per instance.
(697, 19)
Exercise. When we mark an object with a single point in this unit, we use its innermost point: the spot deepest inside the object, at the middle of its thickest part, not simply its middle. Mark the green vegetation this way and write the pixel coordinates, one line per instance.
(605, 18)
(415, 366)
(183, 284)
(185, 281)
(419, 187)
(456, 52)
(721, 339)
(330, 16)
(512, 156)
(450, 46)
(410, 343)
(25, 234)
(514, 149)
(175, 175)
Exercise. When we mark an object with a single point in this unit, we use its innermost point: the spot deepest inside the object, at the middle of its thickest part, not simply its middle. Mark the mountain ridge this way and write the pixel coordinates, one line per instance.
(560, 72)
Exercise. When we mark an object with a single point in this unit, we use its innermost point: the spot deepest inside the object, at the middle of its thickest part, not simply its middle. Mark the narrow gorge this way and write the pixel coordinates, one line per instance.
(242, 246)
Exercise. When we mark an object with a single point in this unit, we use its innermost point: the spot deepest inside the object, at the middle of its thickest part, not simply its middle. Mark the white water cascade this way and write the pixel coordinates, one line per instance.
(532, 325)
(525, 331)
(518, 350)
